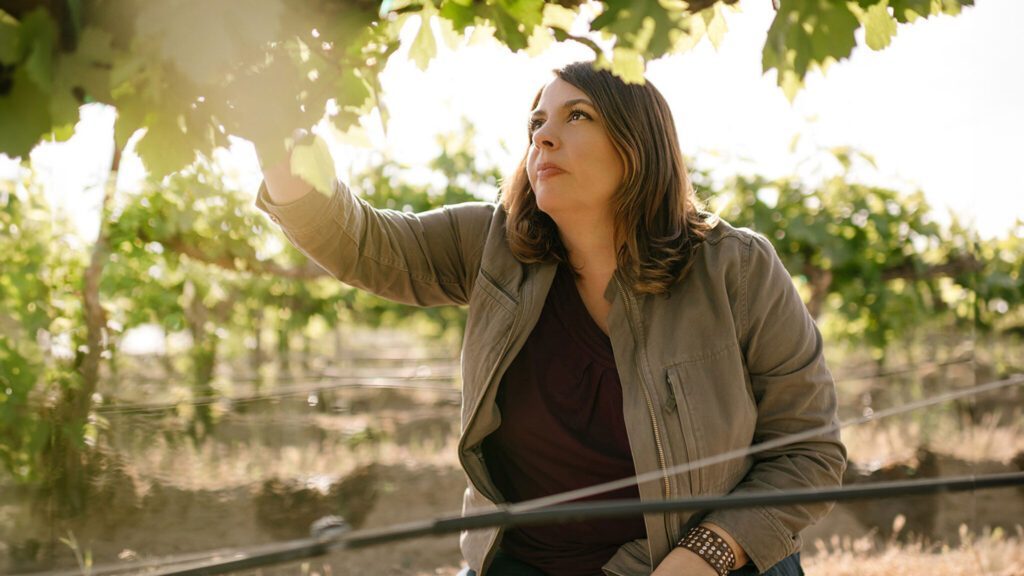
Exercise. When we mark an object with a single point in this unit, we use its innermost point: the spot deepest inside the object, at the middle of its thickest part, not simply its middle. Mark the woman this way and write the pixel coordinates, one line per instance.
(613, 330)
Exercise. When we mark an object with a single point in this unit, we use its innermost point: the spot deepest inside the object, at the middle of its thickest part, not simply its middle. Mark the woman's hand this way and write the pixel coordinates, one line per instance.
(284, 185)
(682, 562)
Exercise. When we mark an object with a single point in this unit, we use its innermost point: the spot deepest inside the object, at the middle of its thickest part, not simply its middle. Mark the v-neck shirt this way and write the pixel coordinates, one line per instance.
(562, 428)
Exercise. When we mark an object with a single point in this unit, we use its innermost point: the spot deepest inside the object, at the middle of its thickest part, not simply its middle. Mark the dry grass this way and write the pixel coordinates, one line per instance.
(993, 553)
(880, 443)
(217, 467)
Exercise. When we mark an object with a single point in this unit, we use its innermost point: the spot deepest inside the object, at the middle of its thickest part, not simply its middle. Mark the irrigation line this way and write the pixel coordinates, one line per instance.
(448, 358)
(334, 383)
(339, 537)
(619, 508)
(900, 370)
(326, 373)
(303, 388)
(212, 562)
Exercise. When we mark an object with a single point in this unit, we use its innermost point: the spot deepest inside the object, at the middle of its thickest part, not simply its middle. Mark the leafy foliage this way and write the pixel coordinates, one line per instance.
(998, 282)
(874, 263)
(190, 73)
(41, 329)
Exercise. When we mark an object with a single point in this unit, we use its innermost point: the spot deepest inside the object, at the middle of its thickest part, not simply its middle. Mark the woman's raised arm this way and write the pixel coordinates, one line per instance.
(425, 259)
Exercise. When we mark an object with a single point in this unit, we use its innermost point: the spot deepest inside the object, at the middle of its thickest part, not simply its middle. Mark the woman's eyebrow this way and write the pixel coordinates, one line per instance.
(566, 104)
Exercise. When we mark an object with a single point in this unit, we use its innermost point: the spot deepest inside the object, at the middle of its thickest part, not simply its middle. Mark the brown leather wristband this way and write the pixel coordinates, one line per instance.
(711, 547)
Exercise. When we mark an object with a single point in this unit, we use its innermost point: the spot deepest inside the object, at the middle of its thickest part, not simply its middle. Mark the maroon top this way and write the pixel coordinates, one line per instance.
(561, 429)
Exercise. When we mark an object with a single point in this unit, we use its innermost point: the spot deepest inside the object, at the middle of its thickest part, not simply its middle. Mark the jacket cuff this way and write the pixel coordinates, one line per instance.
(303, 214)
(765, 540)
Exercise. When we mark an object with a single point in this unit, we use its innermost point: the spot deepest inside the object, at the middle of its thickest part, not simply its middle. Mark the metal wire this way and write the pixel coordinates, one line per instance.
(305, 548)
(868, 416)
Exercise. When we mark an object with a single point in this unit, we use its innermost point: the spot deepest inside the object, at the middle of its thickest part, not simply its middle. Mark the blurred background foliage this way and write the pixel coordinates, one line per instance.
(198, 260)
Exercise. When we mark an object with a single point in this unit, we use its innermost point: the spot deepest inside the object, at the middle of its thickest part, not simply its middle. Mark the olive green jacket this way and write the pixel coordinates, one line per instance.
(730, 358)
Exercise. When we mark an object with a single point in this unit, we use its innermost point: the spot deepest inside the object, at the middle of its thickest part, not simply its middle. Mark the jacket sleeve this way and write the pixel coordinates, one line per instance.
(795, 392)
(424, 259)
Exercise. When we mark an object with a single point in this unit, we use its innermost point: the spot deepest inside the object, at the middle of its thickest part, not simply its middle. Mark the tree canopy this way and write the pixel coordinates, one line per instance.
(191, 73)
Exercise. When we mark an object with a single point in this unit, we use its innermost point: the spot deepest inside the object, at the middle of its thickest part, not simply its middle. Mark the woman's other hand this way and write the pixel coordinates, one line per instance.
(284, 184)
(682, 562)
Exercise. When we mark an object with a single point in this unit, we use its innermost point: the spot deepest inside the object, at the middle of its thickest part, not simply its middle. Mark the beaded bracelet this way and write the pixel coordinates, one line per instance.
(711, 547)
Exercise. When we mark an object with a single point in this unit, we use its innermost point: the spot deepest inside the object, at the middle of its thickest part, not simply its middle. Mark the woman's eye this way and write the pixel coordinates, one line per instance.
(533, 125)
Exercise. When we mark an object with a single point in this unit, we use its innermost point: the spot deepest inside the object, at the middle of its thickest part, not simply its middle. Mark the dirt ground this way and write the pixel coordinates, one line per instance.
(381, 457)
(188, 521)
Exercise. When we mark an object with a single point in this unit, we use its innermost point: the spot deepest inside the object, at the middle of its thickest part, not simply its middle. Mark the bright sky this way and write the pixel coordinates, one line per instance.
(940, 109)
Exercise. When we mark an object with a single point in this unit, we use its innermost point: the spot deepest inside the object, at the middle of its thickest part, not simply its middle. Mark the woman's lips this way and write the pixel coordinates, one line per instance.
(549, 172)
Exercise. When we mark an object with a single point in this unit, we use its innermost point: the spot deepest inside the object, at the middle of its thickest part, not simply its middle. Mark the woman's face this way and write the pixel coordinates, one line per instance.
(572, 164)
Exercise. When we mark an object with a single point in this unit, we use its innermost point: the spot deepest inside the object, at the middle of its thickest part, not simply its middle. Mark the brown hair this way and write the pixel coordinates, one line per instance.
(658, 224)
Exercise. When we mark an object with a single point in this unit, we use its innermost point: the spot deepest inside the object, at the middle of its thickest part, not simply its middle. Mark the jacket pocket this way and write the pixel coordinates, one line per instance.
(496, 291)
(680, 415)
(716, 414)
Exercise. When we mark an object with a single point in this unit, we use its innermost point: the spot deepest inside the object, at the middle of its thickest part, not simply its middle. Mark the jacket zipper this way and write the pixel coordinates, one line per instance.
(644, 370)
(490, 377)
(491, 548)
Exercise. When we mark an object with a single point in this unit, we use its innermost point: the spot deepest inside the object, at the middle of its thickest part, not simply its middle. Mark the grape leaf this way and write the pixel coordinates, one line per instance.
(528, 12)
(165, 148)
(508, 30)
(265, 106)
(540, 41)
(131, 115)
(62, 133)
(9, 39)
(910, 10)
(626, 20)
(352, 95)
(206, 39)
(807, 33)
(833, 34)
(879, 26)
(460, 14)
(424, 48)
(24, 114)
(953, 7)
(626, 63)
(82, 76)
(314, 164)
(716, 26)
(38, 35)
(558, 16)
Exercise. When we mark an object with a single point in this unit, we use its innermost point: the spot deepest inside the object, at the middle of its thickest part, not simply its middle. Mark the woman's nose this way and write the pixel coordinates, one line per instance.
(544, 138)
